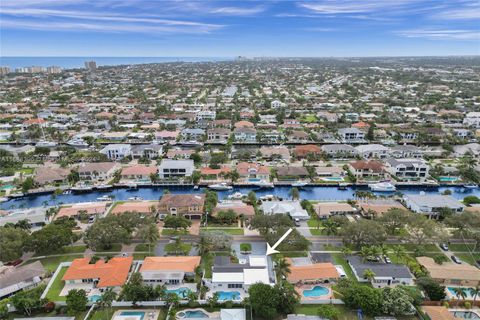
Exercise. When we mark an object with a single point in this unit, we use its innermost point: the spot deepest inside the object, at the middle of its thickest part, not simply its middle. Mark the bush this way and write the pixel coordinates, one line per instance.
(467, 304)
(244, 247)
(328, 311)
(446, 304)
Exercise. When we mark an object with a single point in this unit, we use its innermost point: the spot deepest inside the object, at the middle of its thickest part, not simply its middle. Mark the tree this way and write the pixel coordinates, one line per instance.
(51, 238)
(396, 301)
(432, 289)
(27, 184)
(327, 311)
(369, 275)
(394, 219)
(294, 193)
(399, 252)
(172, 299)
(213, 300)
(219, 240)
(135, 290)
(23, 224)
(196, 176)
(288, 297)
(294, 242)
(282, 269)
(104, 233)
(150, 234)
(364, 297)
(204, 245)
(226, 216)
(460, 293)
(76, 301)
(29, 300)
(12, 243)
(177, 222)
(252, 198)
(265, 223)
(421, 229)
(468, 200)
(264, 300)
(474, 292)
(330, 227)
(363, 233)
(107, 299)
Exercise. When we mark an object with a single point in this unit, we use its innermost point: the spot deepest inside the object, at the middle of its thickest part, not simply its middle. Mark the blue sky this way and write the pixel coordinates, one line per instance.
(231, 28)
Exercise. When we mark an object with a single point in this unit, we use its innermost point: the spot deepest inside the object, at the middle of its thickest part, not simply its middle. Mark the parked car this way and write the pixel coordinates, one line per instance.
(297, 222)
(14, 263)
(387, 260)
(456, 259)
(444, 246)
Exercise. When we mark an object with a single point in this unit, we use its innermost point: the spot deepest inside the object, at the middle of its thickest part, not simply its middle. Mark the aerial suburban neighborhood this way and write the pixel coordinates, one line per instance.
(250, 188)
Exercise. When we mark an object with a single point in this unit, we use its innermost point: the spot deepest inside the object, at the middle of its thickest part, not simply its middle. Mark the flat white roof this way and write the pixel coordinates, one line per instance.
(252, 276)
(258, 261)
(227, 277)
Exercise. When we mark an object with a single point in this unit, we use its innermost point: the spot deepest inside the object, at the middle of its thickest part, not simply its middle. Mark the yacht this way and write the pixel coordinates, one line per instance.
(196, 187)
(471, 186)
(299, 184)
(81, 188)
(136, 198)
(45, 144)
(67, 192)
(263, 184)
(132, 186)
(382, 187)
(104, 198)
(77, 142)
(236, 196)
(103, 186)
(220, 186)
(342, 186)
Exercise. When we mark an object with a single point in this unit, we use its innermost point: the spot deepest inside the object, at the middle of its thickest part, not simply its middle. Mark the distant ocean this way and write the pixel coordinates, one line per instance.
(78, 62)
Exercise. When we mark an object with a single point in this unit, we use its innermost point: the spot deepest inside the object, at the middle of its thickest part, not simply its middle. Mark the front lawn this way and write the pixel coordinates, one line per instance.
(65, 250)
(340, 260)
(116, 247)
(462, 247)
(51, 263)
(232, 231)
(181, 249)
(172, 232)
(468, 258)
(54, 293)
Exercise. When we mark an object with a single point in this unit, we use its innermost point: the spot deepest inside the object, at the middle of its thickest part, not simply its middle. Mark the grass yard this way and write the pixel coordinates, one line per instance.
(67, 250)
(172, 248)
(313, 223)
(51, 263)
(339, 259)
(116, 247)
(468, 258)
(316, 232)
(294, 254)
(172, 232)
(232, 231)
(142, 251)
(344, 312)
(54, 293)
(462, 247)
(410, 247)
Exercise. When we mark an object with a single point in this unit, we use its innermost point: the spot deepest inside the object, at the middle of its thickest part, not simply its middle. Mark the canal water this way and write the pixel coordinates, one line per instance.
(154, 193)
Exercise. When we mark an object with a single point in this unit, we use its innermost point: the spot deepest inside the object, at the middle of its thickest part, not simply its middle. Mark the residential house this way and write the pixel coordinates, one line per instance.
(50, 175)
(378, 207)
(329, 172)
(292, 208)
(101, 171)
(205, 115)
(214, 174)
(406, 151)
(218, 135)
(472, 119)
(275, 152)
(36, 216)
(369, 151)
(138, 172)
(117, 151)
(303, 151)
(339, 151)
(325, 210)
(304, 272)
(114, 136)
(102, 275)
(175, 168)
(407, 169)
(149, 151)
(168, 270)
(431, 205)
(143, 208)
(253, 171)
(275, 104)
(188, 205)
(450, 273)
(362, 169)
(245, 134)
(87, 208)
(237, 206)
(193, 134)
(298, 136)
(178, 153)
(292, 173)
(14, 279)
(351, 135)
(386, 274)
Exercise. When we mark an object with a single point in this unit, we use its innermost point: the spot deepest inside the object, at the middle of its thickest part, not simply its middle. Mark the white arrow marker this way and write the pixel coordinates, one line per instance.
(271, 250)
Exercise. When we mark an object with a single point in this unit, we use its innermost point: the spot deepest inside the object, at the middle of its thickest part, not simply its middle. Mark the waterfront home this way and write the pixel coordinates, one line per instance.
(221, 123)
(214, 174)
(377, 207)
(75, 210)
(117, 151)
(245, 134)
(166, 136)
(253, 171)
(469, 148)
(148, 151)
(138, 172)
(303, 151)
(192, 134)
(115, 136)
(144, 208)
(14, 279)
(375, 151)
(37, 217)
(450, 273)
(363, 169)
(101, 274)
(188, 205)
(407, 169)
(237, 206)
(275, 152)
(386, 274)
(291, 173)
(101, 171)
(292, 208)
(472, 119)
(329, 171)
(351, 135)
(50, 175)
(218, 135)
(227, 275)
(168, 270)
(175, 168)
(406, 151)
(325, 210)
(431, 205)
(303, 271)
(339, 151)
(178, 153)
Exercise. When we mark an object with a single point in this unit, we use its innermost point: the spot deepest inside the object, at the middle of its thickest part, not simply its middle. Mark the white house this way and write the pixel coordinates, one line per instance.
(290, 207)
(430, 205)
(175, 168)
(117, 151)
(376, 151)
(168, 270)
(472, 119)
(407, 169)
(351, 135)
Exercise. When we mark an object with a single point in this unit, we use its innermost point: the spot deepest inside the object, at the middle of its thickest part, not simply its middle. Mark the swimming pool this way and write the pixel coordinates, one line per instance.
(448, 179)
(466, 315)
(95, 298)
(140, 314)
(333, 179)
(228, 295)
(192, 314)
(315, 292)
(181, 292)
(451, 290)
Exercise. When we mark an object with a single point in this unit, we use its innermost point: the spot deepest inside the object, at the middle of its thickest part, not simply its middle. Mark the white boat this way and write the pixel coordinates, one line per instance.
(382, 187)
(104, 198)
(342, 186)
(263, 184)
(220, 186)
(2, 199)
(196, 187)
(103, 186)
(77, 142)
(132, 186)
(299, 184)
(236, 196)
(81, 188)
(67, 192)
(471, 186)
(136, 198)
(45, 144)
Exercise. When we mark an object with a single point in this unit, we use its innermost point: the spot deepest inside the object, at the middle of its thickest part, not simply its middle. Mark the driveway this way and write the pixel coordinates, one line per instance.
(258, 248)
(304, 229)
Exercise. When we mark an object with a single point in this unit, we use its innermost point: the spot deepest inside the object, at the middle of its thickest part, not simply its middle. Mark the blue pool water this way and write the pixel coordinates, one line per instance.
(466, 315)
(133, 313)
(316, 291)
(193, 314)
(333, 179)
(448, 179)
(228, 295)
(180, 292)
(95, 298)
(452, 292)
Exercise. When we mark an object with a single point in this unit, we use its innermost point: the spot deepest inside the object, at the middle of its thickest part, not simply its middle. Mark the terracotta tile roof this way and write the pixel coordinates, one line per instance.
(449, 270)
(182, 200)
(438, 313)
(237, 207)
(138, 170)
(185, 264)
(244, 124)
(244, 167)
(35, 121)
(373, 165)
(309, 148)
(110, 274)
(324, 270)
(210, 171)
(135, 206)
(90, 208)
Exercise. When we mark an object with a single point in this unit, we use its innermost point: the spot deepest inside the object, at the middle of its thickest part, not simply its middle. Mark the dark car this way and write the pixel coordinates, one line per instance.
(14, 263)
(456, 260)
(444, 246)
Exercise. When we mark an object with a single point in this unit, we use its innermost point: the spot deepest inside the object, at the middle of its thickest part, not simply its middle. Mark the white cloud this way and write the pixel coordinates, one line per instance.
(238, 11)
(441, 34)
(350, 6)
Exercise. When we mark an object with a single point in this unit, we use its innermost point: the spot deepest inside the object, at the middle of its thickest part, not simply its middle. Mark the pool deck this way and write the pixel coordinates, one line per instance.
(211, 315)
(150, 314)
(243, 294)
(302, 287)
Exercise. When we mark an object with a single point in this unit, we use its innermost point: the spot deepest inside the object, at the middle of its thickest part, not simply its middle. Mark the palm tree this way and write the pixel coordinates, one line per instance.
(150, 234)
(203, 246)
(474, 292)
(365, 253)
(294, 193)
(282, 268)
(191, 297)
(107, 299)
(369, 274)
(213, 300)
(346, 251)
(399, 252)
(23, 224)
(460, 293)
(330, 227)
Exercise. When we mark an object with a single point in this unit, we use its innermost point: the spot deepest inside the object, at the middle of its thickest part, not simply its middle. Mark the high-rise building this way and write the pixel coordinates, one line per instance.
(4, 70)
(54, 69)
(91, 65)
